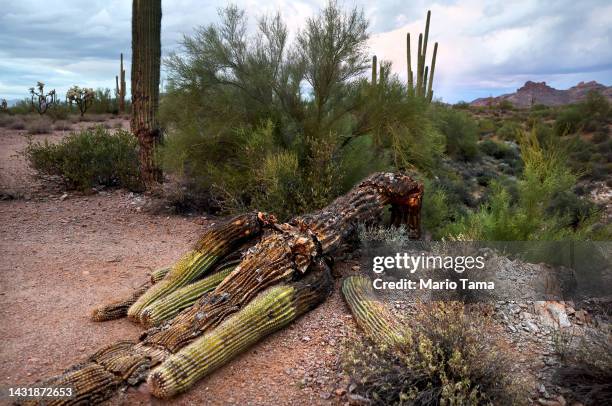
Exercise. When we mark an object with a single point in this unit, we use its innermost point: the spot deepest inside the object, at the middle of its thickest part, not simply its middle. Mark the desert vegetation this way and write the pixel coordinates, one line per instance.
(302, 140)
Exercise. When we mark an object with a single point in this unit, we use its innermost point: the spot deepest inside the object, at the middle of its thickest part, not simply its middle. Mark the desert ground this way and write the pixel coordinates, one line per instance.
(63, 254)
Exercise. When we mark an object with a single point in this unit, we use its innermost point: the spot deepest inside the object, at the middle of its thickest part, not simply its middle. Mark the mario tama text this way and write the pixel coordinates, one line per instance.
(418, 269)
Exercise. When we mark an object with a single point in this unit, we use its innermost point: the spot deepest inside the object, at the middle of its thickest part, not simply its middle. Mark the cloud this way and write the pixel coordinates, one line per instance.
(486, 47)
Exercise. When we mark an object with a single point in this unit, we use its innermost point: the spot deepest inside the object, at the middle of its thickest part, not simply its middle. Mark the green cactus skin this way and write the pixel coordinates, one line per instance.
(370, 314)
(120, 86)
(424, 84)
(216, 243)
(160, 273)
(270, 311)
(410, 75)
(431, 73)
(169, 306)
(374, 70)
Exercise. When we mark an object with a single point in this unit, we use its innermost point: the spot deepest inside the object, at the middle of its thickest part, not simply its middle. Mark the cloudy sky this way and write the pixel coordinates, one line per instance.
(486, 47)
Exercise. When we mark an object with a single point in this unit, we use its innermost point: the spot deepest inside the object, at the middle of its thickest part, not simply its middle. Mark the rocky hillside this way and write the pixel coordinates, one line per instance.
(540, 93)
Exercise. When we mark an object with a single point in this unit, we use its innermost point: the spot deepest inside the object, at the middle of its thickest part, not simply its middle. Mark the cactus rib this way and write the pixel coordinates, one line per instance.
(215, 244)
(169, 306)
(270, 311)
(370, 314)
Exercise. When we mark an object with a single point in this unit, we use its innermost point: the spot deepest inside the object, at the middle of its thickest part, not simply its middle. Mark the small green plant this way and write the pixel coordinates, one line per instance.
(82, 97)
(88, 158)
(40, 100)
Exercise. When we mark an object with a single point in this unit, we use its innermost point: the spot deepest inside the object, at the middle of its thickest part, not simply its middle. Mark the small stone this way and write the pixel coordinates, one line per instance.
(306, 339)
(85, 272)
(340, 391)
(64, 196)
(325, 395)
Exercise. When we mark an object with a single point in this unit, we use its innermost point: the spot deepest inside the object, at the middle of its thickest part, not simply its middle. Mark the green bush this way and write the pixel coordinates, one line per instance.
(447, 358)
(568, 121)
(486, 126)
(88, 158)
(461, 132)
(533, 216)
(509, 130)
(498, 150)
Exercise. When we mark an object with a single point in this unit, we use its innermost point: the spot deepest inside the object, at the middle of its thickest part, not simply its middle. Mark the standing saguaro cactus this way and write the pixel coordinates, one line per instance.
(424, 75)
(120, 86)
(41, 101)
(146, 54)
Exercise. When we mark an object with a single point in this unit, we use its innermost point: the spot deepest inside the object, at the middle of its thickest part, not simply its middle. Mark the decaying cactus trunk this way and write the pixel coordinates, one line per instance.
(207, 311)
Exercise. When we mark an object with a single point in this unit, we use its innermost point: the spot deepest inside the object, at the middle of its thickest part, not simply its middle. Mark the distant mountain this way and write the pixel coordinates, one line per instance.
(540, 93)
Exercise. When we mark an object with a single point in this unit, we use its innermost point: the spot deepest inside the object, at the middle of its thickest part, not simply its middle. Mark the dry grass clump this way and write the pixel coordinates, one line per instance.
(448, 358)
(39, 125)
(62, 125)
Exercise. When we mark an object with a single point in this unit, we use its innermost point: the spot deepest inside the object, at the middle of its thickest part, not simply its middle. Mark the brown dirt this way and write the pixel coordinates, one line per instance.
(60, 258)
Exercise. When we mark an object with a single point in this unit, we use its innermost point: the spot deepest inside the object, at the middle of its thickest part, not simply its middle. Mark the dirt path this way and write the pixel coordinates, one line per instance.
(60, 258)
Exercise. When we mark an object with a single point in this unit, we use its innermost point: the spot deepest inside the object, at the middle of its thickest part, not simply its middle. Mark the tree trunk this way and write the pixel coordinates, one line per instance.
(146, 54)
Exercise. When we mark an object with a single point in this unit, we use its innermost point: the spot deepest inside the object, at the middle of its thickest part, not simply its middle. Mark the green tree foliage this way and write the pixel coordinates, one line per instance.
(256, 121)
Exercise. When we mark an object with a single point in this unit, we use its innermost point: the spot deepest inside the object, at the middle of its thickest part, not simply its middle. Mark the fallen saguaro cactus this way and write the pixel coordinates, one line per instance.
(370, 314)
(282, 273)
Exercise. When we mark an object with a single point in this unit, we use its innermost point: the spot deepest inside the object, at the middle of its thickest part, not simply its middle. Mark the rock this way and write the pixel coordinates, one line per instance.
(531, 326)
(340, 391)
(548, 402)
(63, 197)
(552, 314)
(325, 395)
(306, 339)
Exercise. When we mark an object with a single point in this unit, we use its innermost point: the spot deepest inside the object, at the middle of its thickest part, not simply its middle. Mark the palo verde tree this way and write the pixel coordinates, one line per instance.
(82, 97)
(41, 101)
(146, 54)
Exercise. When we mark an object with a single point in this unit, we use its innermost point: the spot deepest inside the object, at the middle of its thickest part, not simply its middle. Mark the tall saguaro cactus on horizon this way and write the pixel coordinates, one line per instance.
(424, 75)
(146, 54)
(120, 86)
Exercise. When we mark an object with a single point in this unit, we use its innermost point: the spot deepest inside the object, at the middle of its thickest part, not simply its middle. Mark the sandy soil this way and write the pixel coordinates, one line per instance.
(62, 256)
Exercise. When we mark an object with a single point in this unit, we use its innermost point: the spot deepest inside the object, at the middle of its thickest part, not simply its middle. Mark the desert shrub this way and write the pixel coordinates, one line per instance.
(462, 105)
(486, 126)
(509, 130)
(5, 120)
(22, 107)
(88, 158)
(17, 123)
(568, 121)
(545, 176)
(438, 211)
(461, 133)
(586, 367)
(600, 137)
(58, 111)
(505, 105)
(104, 102)
(498, 150)
(39, 125)
(62, 125)
(447, 358)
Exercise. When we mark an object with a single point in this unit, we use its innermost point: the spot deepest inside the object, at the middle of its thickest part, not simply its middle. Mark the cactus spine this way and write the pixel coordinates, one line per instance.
(424, 75)
(120, 86)
(146, 54)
